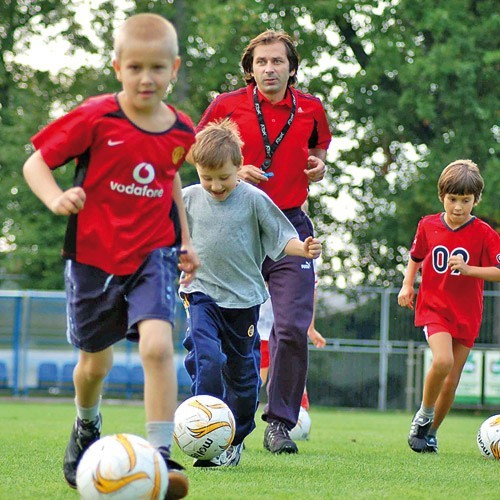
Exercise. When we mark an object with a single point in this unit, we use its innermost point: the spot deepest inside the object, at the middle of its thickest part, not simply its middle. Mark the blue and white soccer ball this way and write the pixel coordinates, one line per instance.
(204, 427)
(488, 438)
(122, 467)
(303, 428)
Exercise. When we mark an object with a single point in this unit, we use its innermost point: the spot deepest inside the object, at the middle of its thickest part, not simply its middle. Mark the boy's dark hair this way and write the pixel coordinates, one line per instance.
(217, 143)
(461, 177)
(266, 38)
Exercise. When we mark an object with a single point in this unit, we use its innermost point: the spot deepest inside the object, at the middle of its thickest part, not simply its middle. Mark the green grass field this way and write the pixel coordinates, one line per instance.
(351, 454)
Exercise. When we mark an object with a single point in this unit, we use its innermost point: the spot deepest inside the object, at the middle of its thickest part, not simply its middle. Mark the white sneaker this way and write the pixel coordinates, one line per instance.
(228, 458)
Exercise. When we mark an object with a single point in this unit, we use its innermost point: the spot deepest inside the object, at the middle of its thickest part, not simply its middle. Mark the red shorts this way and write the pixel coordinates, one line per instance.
(264, 354)
(461, 333)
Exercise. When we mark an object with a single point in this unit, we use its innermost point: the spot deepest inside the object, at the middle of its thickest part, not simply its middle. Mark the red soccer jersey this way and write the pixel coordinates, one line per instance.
(289, 186)
(448, 294)
(127, 175)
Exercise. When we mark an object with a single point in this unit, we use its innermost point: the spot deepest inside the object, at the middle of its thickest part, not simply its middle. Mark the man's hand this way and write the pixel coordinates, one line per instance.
(252, 174)
(316, 169)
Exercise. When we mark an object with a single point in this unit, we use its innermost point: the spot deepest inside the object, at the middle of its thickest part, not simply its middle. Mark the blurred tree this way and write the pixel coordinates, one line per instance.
(31, 237)
(425, 95)
(409, 87)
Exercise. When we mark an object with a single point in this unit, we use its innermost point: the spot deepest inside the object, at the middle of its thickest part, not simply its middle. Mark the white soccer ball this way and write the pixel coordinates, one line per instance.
(488, 438)
(122, 466)
(204, 427)
(303, 428)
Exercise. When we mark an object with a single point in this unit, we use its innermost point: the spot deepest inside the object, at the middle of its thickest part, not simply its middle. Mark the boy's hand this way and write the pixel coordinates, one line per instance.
(316, 338)
(312, 247)
(406, 296)
(188, 263)
(457, 263)
(68, 202)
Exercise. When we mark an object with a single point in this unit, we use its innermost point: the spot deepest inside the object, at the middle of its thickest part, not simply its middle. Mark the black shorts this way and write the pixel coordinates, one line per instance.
(103, 309)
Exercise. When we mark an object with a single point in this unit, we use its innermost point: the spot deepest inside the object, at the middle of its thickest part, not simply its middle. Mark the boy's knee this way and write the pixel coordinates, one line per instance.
(443, 364)
(93, 371)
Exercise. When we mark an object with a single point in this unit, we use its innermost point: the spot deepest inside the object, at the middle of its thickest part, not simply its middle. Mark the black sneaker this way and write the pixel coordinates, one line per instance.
(178, 483)
(420, 426)
(431, 444)
(277, 438)
(84, 433)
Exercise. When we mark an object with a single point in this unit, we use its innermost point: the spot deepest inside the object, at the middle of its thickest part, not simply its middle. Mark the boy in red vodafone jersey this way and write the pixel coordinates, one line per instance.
(286, 136)
(457, 253)
(126, 223)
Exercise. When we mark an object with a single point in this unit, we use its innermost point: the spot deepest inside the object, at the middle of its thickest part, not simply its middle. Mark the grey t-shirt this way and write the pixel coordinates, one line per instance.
(232, 238)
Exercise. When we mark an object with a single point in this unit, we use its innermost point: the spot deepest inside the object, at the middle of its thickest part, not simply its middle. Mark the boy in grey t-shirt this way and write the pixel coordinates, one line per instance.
(233, 225)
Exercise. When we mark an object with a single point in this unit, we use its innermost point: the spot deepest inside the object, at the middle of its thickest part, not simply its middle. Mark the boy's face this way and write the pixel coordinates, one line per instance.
(145, 69)
(219, 182)
(458, 208)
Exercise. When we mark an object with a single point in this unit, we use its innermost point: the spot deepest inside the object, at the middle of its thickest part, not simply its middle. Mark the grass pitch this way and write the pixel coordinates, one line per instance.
(351, 454)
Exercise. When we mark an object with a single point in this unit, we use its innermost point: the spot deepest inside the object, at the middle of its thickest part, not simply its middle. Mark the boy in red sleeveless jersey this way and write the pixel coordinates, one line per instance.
(126, 226)
(457, 253)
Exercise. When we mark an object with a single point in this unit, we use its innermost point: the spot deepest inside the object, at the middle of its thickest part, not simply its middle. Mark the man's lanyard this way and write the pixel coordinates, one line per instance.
(271, 148)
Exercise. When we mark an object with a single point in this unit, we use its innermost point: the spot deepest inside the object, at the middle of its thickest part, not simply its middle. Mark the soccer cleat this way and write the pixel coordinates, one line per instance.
(228, 458)
(277, 438)
(178, 483)
(83, 434)
(420, 426)
(431, 444)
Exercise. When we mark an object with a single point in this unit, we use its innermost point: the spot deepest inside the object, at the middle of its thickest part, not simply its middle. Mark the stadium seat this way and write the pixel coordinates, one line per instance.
(137, 379)
(48, 375)
(4, 377)
(118, 380)
(67, 376)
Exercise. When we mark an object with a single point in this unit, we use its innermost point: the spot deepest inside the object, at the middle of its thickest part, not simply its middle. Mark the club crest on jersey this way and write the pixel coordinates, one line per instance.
(251, 330)
(177, 154)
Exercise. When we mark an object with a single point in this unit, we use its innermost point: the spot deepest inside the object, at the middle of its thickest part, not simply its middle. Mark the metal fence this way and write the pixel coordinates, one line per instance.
(372, 358)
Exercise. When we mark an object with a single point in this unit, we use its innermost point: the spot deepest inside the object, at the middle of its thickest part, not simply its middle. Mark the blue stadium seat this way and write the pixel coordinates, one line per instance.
(137, 379)
(67, 376)
(48, 375)
(118, 380)
(4, 376)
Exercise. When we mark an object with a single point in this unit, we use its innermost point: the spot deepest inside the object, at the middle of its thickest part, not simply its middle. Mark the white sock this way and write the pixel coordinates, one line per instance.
(427, 412)
(88, 413)
(160, 434)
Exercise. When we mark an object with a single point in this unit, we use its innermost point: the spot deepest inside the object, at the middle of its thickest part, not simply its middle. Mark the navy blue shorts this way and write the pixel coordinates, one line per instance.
(103, 308)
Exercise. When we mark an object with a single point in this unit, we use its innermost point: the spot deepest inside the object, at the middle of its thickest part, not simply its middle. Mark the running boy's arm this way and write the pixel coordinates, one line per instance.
(188, 258)
(457, 263)
(41, 181)
(407, 293)
(310, 248)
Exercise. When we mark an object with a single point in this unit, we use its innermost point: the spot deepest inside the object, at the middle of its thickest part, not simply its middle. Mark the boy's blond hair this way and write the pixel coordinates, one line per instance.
(146, 27)
(461, 177)
(217, 143)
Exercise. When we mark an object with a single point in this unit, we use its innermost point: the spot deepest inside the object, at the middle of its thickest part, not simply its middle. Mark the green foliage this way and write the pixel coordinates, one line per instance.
(424, 96)
(351, 454)
(411, 86)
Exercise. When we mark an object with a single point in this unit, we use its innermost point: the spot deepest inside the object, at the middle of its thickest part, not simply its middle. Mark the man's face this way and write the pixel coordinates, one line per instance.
(271, 70)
